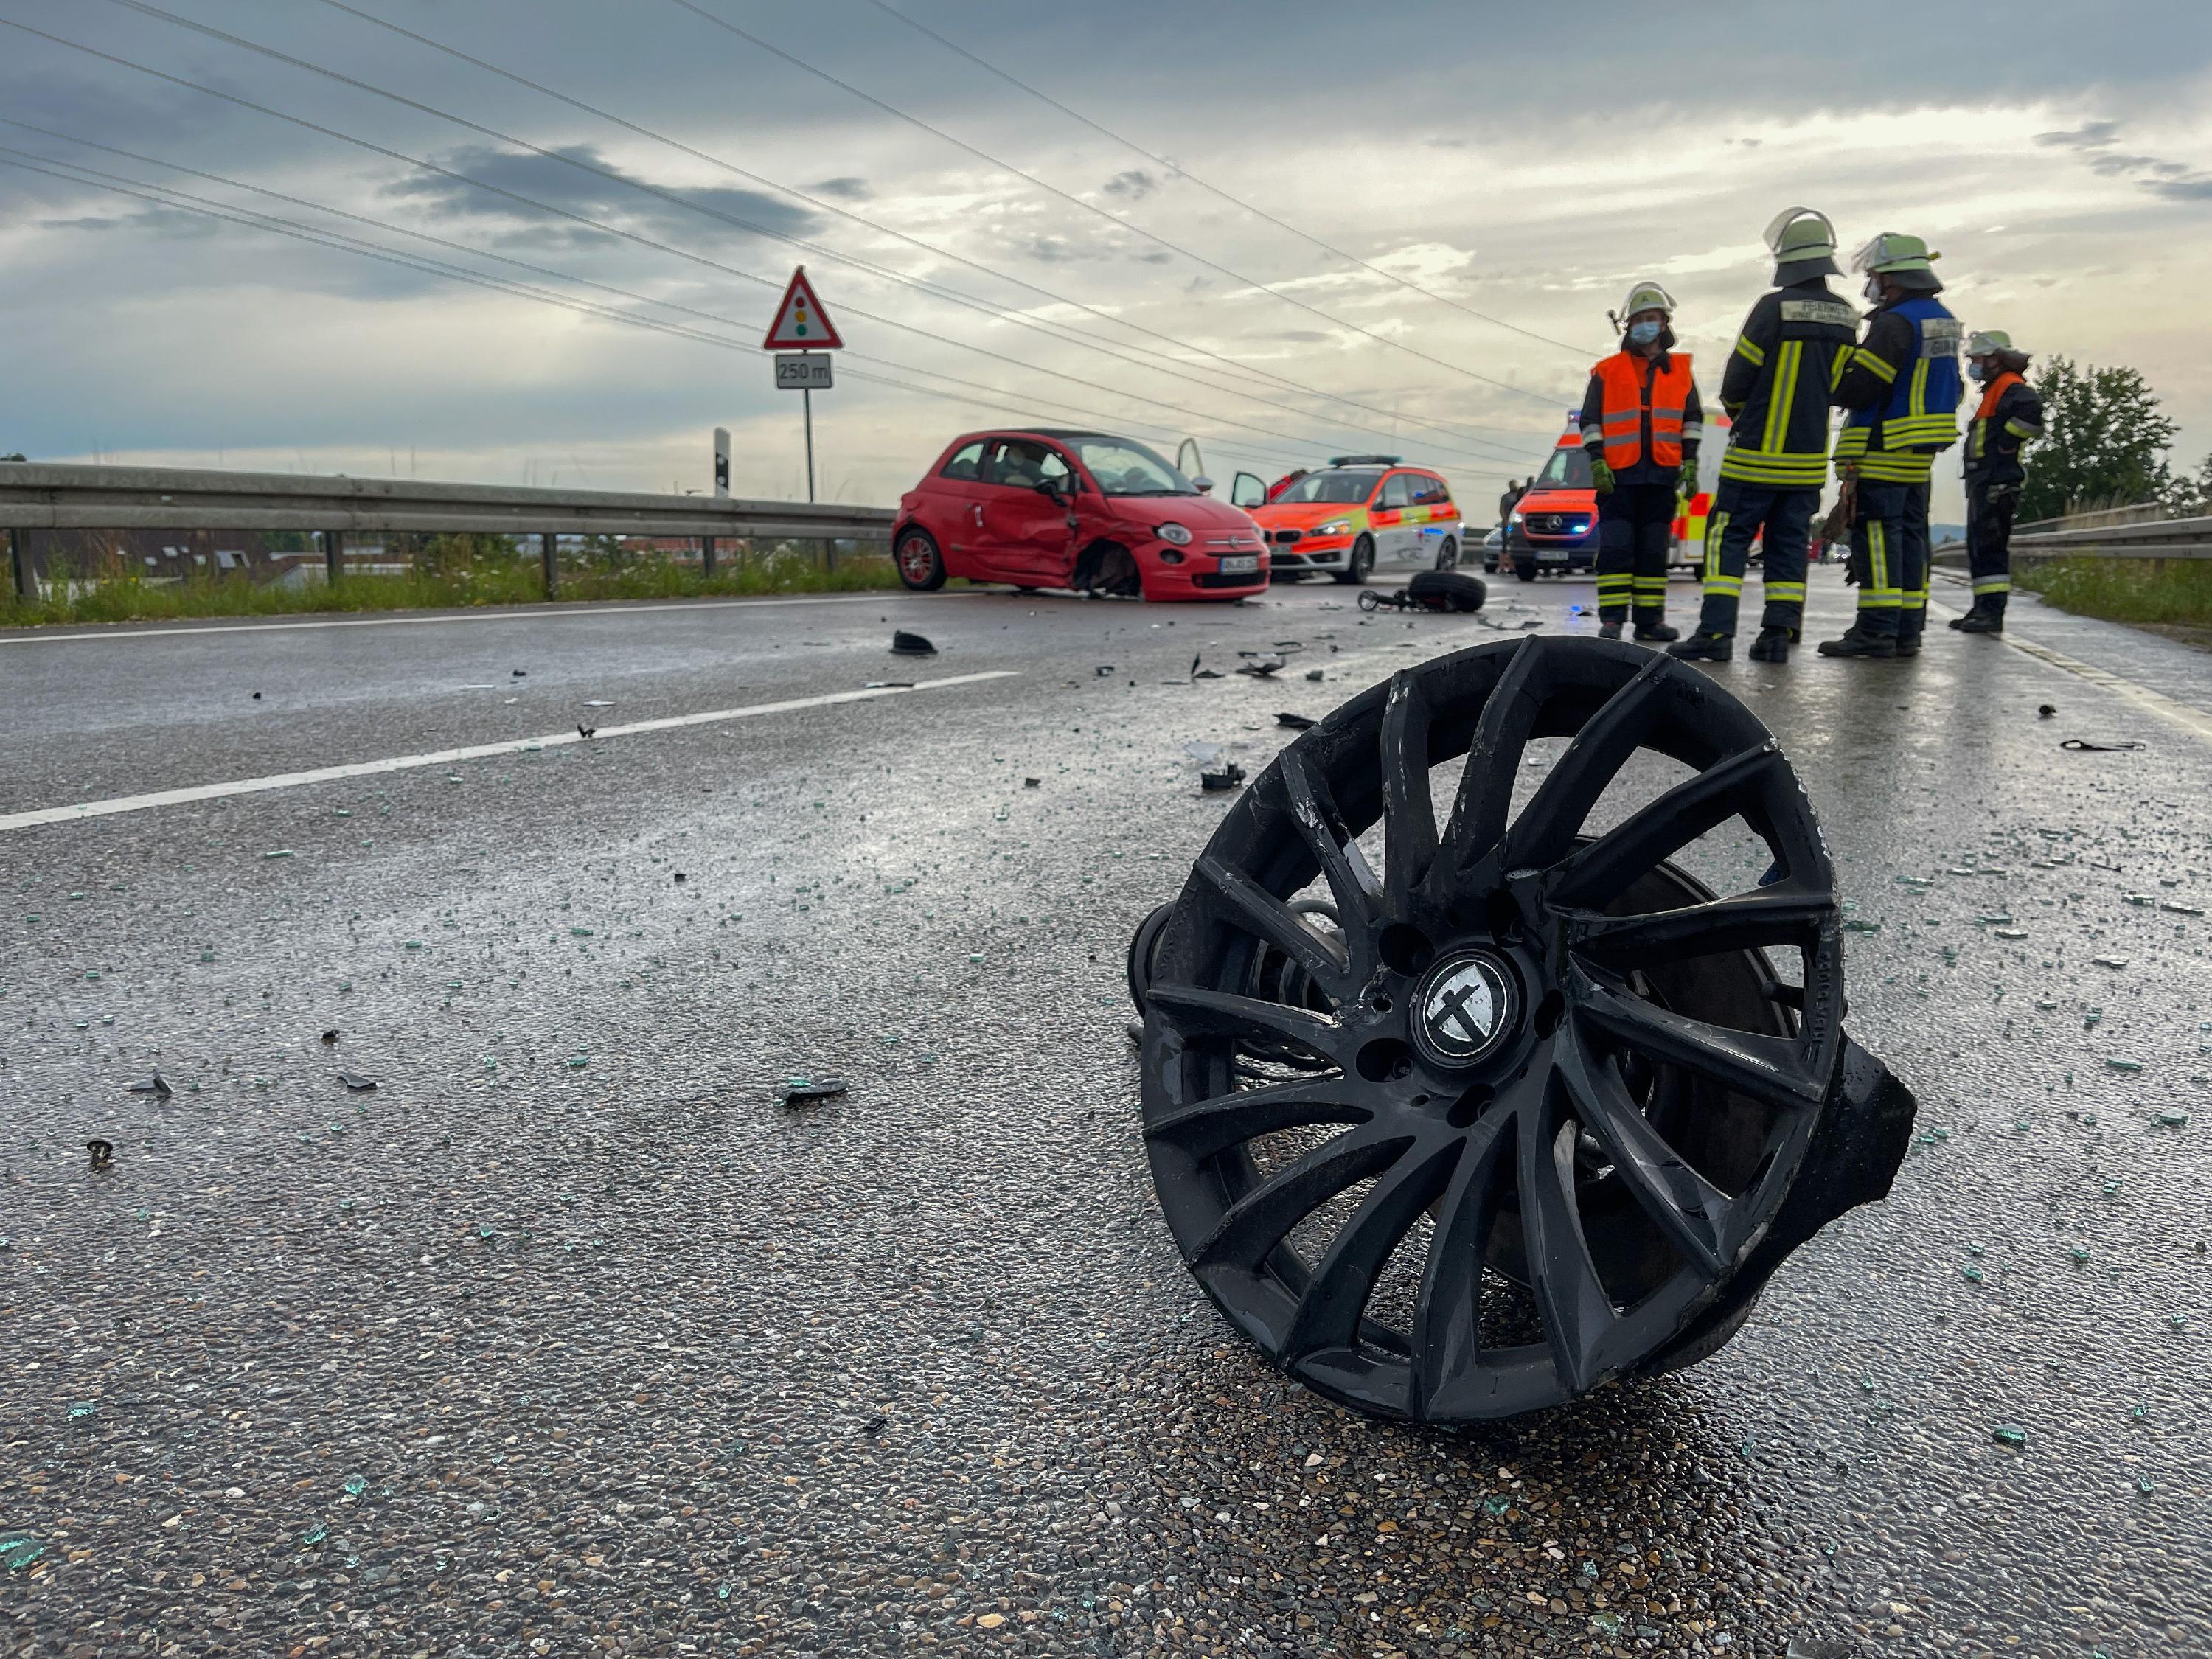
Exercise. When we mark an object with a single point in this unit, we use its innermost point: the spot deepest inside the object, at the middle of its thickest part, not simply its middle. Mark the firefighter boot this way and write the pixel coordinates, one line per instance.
(1980, 620)
(1704, 648)
(1655, 633)
(1772, 645)
(1857, 643)
(1608, 630)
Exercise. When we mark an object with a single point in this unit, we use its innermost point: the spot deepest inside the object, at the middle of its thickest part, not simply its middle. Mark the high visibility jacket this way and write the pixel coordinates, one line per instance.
(1903, 388)
(1641, 414)
(2009, 414)
(1779, 383)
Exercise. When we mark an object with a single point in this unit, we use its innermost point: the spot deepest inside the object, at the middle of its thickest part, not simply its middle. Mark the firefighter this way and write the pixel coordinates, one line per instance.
(2009, 414)
(1902, 387)
(1776, 390)
(1640, 427)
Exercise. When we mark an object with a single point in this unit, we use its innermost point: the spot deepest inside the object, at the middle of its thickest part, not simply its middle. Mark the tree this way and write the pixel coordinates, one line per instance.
(2104, 441)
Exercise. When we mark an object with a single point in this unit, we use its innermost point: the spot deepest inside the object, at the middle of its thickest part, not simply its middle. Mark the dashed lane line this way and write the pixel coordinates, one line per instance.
(95, 809)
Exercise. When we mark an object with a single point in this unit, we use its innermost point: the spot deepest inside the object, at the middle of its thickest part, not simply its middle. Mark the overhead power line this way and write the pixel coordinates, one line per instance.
(1182, 172)
(159, 196)
(798, 63)
(935, 250)
(623, 181)
(606, 228)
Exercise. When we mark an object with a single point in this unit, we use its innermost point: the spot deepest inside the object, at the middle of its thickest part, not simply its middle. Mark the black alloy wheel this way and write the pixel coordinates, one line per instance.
(1470, 1128)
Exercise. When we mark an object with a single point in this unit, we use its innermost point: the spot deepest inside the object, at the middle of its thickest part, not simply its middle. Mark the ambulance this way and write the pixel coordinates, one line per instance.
(1553, 528)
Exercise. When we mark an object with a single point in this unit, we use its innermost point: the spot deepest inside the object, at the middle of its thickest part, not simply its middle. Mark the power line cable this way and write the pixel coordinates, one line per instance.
(622, 180)
(933, 249)
(1181, 171)
(683, 253)
(159, 196)
(798, 63)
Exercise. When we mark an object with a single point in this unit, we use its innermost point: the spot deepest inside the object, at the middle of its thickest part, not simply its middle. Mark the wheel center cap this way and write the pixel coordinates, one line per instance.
(1466, 1007)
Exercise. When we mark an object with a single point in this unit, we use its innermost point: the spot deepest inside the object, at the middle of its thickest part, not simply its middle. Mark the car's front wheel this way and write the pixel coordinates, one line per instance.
(1361, 565)
(920, 566)
(1448, 555)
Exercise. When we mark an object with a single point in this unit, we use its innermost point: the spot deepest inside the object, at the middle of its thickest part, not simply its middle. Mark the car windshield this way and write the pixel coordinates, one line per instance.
(1568, 469)
(1123, 468)
(1342, 489)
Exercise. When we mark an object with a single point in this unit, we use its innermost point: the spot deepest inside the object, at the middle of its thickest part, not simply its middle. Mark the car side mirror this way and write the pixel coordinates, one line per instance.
(1048, 486)
(1204, 486)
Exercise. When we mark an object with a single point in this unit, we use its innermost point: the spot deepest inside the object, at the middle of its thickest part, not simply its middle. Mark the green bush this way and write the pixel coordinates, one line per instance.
(2173, 591)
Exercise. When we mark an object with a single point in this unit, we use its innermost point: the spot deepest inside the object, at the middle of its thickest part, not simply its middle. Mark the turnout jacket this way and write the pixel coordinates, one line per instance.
(2009, 414)
(1618, 424)
(1779, 382)
(1902, 388)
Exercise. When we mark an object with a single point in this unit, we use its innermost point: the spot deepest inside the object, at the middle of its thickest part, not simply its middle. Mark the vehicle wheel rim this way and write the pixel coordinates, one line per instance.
(917, 559)
(1507, 1053)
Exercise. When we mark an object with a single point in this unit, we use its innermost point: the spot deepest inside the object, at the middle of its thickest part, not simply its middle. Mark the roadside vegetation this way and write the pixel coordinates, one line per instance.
(2171, 592)
(446, 573)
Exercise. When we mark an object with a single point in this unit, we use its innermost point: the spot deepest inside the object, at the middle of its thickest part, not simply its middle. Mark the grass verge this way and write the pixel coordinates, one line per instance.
(2174, 593)
(129, 600)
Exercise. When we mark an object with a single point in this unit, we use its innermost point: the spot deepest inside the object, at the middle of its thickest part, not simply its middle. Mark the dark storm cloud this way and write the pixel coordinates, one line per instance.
(578, 179)
(842, 190)
(1132, 186)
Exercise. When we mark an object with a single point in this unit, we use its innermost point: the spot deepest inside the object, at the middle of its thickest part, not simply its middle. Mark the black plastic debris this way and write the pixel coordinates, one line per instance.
(803, 1090)
(257, 696)
(904, 644)
(875, 1425)
(2045, 711)
(356, 1082)
(1103, 670)
(152, 1084)
(2100, 746)
(103, 1153)
(1296, 722)
(1031, 783)
(887, 685)
(1314, 674)
(330, 1036)
(1261, 665)
(584, 730)
(1228, 777)
(521, 674)
(680, 876)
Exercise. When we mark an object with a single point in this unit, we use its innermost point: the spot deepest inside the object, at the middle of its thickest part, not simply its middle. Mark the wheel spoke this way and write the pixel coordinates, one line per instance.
(1409, 814)
(1447, 1336)
(1690, 1210)
(1605, 869)
(1545, 832)
(1261, 913)
(1344, 867)
(1259, 1221)
(1767, 1068)
(1216, 1125)
(1221, 1013)
(1493, 758)
(1778, 915)
(1570, 1299)
(1329, 1313)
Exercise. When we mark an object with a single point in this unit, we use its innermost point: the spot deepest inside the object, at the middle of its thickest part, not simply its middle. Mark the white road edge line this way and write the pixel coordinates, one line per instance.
(95, 809)
(2196, 720)
(125, 631)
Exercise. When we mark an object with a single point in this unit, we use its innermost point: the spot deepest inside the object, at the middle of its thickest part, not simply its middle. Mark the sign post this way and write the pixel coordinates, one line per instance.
(802, 327)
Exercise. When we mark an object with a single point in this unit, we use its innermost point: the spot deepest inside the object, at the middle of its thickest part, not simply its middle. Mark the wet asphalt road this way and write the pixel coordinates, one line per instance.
(569, 1339)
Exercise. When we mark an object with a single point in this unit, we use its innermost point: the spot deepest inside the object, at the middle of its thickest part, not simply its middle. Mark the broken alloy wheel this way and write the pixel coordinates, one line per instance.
(1531, 1109)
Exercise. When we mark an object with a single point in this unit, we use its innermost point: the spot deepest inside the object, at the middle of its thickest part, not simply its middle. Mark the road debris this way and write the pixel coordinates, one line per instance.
(598, 702)
(2046, 710)
(1228, 777)
(103, 1152)
(586, 732)
(356, 1082)
(2100, 746)
(1261, 665)
(803, 1090)
(1296, 722)
(904, 644)
(330, 1036)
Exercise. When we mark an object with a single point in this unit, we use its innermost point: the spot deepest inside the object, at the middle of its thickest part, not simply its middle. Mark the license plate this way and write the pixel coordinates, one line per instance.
(1237, 561)
(1558, 557)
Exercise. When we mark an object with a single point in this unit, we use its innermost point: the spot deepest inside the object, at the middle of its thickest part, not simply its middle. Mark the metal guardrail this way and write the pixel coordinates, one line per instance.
(36, 495)
(2163, 538)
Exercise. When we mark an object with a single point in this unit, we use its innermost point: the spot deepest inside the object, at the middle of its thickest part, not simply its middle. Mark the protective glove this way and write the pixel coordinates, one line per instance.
(1601, 478)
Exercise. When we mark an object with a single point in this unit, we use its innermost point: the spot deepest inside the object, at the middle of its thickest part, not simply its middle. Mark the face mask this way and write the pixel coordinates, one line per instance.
(1874, 290)
(1643, 333)
(1979, 371)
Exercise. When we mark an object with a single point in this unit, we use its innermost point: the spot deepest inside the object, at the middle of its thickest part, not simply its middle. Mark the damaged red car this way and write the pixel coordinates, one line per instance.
(1048, 507)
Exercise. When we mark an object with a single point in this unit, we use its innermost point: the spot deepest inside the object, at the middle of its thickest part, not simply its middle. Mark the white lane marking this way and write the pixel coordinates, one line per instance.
(2181, 713)
(475, 752)
(124, 631)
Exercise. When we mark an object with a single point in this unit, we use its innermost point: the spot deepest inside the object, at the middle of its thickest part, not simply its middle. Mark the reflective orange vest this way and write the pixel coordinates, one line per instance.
(1995, 390)
(1621, 376)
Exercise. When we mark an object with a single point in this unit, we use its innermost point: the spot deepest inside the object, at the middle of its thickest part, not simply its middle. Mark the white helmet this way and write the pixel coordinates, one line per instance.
(1991, 342)
(1647, 295)
(1800, 235)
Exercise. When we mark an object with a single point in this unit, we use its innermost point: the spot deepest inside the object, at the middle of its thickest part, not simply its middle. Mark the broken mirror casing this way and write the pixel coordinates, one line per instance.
(1514, 1110)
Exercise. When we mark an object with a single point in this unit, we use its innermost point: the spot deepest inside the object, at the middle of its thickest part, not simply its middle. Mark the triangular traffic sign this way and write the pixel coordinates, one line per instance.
(800, 323)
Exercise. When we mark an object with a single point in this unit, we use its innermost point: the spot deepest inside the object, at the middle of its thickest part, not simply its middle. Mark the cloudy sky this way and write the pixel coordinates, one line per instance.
(1288, 227)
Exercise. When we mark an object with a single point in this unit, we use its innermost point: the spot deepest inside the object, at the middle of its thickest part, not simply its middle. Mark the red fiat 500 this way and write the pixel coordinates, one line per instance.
(1051, 508)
